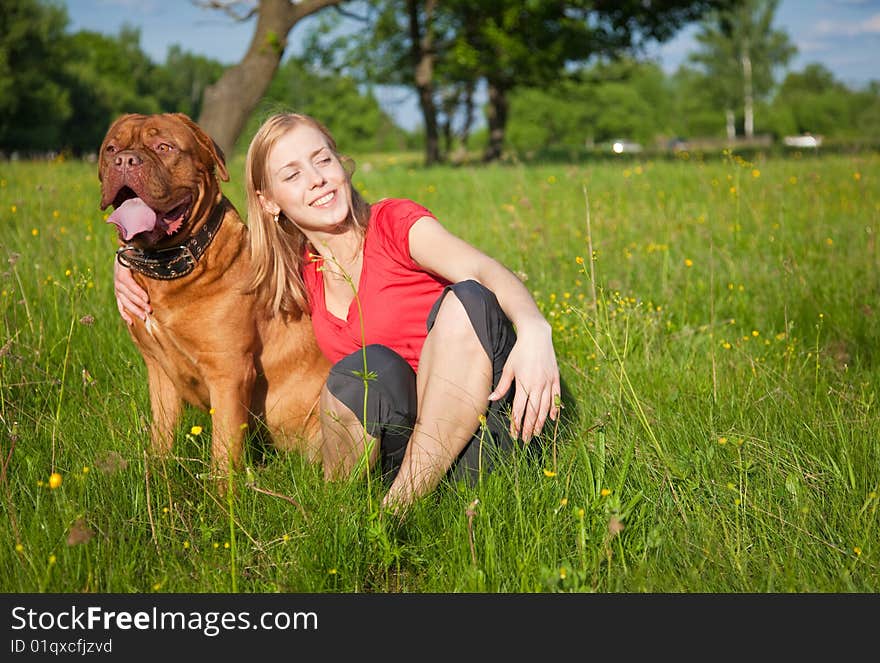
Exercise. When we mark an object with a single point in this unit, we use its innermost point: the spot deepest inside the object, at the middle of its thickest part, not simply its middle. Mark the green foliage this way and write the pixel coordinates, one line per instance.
(181, 81)
(636, 100)
(106, 77)
(696, 111)
(728, 37)
(60, 91)
(813, 101)
(32, 56)
(717, 324)
(354, 117)
(740, 52)
(618, 99)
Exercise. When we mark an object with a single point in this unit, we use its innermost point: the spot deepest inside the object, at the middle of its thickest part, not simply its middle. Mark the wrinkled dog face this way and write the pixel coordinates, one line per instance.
(157, 172)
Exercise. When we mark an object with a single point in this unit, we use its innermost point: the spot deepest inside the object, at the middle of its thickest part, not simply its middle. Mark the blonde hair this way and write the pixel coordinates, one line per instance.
(278, 248)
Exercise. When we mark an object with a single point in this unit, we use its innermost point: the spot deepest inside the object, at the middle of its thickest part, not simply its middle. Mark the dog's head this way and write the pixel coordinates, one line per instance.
(159, 172)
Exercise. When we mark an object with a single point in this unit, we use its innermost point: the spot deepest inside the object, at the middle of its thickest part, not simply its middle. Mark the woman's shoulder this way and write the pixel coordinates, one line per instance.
(396, 215)
(390, 222)
(398, 208)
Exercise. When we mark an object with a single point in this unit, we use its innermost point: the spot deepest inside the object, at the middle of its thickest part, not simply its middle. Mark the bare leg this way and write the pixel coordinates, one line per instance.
(344, 438)
(453, 383)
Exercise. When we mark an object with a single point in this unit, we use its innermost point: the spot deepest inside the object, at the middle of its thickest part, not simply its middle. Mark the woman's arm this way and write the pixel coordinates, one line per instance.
(532, 361)
(130, 297)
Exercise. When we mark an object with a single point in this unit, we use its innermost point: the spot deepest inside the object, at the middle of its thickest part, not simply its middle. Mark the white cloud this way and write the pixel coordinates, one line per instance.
(814, 46)
(831, 27)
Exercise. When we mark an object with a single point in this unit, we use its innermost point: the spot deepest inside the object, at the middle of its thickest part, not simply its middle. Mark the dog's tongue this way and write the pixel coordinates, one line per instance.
(132, 217)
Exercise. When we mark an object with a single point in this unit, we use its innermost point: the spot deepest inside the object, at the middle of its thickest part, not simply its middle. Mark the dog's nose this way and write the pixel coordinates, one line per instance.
(128, 159)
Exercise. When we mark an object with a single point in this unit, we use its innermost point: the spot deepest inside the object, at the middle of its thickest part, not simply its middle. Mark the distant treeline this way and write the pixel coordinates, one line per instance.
(59, 91)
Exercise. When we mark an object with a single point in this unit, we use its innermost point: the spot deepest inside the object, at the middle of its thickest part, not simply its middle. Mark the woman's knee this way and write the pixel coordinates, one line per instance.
(335, 409)
(474, 294)
(383, 366)
(389, 384)
(474, 310)
(452, 322)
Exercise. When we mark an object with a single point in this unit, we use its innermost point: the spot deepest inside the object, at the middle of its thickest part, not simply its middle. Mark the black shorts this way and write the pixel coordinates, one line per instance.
(392, 401)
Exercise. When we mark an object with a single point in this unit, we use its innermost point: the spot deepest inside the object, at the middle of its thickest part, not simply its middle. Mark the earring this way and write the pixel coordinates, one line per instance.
(275, 218)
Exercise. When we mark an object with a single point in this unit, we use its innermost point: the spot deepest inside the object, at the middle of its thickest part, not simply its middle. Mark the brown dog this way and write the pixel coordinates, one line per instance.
(207, 341)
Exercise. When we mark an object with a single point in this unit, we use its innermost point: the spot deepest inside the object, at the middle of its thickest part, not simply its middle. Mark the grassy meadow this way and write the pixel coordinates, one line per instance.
(717, 322)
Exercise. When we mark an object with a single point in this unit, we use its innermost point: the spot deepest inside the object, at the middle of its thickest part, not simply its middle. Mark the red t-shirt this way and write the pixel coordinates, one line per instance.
(395, 294)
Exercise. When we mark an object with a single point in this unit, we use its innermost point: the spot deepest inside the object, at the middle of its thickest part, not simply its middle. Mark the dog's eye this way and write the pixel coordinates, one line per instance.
(111, 149)
(164, 147)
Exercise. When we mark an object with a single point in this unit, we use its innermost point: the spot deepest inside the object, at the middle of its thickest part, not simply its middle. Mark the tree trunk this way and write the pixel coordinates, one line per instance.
(422, 45)
(496, 117)
(229, 102)
(731, 124)
(468, 123)
(749, 102)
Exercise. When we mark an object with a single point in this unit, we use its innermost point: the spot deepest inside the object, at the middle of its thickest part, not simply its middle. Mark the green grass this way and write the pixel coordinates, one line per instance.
(723, 434)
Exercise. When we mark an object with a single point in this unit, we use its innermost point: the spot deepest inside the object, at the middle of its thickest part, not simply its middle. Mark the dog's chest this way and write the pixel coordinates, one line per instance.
(176, 355)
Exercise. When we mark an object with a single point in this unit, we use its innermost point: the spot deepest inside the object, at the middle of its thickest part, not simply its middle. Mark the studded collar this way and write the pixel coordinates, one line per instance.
(174, 261)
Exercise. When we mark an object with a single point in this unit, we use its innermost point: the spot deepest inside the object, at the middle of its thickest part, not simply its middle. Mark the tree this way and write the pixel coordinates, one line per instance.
(397, 43)
(181, 82)
(229, 102)
(740, 52)
(867, 111)
(813, 101)
(33, 101)
(105, 77)
(695, 106)
(536, 42)
(451, 46)
(358, 122)
(622, 99)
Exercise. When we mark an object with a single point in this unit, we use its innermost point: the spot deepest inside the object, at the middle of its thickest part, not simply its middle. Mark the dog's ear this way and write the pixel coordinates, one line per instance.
(207, 143)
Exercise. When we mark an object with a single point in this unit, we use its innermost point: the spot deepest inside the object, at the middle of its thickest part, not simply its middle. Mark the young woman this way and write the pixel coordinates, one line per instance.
(460, 361)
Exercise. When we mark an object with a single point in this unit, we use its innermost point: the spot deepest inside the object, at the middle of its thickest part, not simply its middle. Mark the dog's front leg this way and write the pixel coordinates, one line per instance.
(230, 401)
(165, 407)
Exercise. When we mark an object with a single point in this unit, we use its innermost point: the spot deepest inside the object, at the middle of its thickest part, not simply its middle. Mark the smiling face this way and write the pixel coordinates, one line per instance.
(307, 182)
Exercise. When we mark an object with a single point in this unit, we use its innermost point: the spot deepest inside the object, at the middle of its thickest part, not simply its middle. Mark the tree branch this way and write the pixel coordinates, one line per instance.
(303, 8)
(351, 15)
(229, 7)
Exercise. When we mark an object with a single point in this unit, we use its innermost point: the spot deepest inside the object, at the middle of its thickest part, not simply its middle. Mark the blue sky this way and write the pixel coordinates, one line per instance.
(843, 35)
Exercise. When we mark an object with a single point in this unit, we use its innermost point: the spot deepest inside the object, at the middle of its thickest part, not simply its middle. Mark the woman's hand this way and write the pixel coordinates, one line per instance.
(532, 364)
(130, 297)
